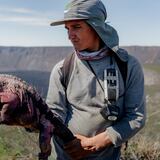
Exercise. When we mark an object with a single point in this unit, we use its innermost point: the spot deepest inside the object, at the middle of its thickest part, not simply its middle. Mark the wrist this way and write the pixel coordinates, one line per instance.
(107, 139)
(102, 140)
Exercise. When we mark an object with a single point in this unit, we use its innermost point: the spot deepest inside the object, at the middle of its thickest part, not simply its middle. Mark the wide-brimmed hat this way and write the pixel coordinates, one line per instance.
(94, 13)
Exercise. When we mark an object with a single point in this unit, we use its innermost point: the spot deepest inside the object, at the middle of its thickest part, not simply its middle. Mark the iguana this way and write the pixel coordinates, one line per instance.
(21, 105)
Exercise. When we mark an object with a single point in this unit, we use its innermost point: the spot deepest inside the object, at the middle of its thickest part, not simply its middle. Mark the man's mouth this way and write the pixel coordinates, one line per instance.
(74, 41)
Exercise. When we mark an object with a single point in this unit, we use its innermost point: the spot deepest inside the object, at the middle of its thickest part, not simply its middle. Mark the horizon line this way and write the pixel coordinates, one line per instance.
(30, 46)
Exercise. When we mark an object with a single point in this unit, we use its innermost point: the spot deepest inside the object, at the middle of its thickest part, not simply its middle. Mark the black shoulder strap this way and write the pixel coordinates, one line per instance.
(122, 67)
(67, 68)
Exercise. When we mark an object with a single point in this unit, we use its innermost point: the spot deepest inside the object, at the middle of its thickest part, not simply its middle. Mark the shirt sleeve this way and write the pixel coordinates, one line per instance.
(56, 96)
(134, 110)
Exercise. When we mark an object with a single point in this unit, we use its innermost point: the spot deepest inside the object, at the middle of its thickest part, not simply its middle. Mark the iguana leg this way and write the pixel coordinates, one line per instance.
(46, 132)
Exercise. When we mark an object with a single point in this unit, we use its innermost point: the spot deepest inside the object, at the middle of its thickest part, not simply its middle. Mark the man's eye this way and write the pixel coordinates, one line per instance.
(77, 27)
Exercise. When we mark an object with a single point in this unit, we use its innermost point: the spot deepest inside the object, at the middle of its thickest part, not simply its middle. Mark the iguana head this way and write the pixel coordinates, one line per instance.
(9, 102)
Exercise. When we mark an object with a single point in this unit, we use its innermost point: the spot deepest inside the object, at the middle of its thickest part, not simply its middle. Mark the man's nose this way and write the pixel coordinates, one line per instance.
(71, 34)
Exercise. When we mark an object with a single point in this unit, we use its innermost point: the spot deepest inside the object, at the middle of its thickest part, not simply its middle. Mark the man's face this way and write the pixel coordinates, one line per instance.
(82, 36)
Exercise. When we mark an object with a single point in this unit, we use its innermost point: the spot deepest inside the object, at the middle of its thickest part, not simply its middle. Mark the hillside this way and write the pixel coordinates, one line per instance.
(44, 58)
(32, 64)
(31, 58)
(146, 55)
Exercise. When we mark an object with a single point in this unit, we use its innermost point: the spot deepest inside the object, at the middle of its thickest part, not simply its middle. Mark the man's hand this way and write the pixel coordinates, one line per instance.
(83, 146)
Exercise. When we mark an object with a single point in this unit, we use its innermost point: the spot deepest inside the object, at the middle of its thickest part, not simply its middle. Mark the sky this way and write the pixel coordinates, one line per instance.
(27, 22)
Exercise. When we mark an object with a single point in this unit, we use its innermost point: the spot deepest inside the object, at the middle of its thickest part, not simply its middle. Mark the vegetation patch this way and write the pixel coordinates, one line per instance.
(153, 67)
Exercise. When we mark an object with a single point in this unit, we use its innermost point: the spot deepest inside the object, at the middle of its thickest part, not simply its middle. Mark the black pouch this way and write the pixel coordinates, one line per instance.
(110, 112)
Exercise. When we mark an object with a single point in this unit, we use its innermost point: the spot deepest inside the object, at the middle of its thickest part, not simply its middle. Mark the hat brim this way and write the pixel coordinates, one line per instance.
(62, 21)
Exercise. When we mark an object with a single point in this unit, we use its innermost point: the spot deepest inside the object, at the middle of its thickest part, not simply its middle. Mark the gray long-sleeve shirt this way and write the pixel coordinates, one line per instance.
(86, 98)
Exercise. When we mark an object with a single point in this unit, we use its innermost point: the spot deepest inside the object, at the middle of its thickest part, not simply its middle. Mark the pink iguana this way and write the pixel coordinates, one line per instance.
(21, 105)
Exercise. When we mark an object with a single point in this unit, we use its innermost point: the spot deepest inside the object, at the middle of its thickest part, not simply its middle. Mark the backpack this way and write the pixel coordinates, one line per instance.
(68, 65)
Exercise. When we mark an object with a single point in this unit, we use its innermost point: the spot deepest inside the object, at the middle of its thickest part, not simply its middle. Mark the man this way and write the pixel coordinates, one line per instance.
(101, 107)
